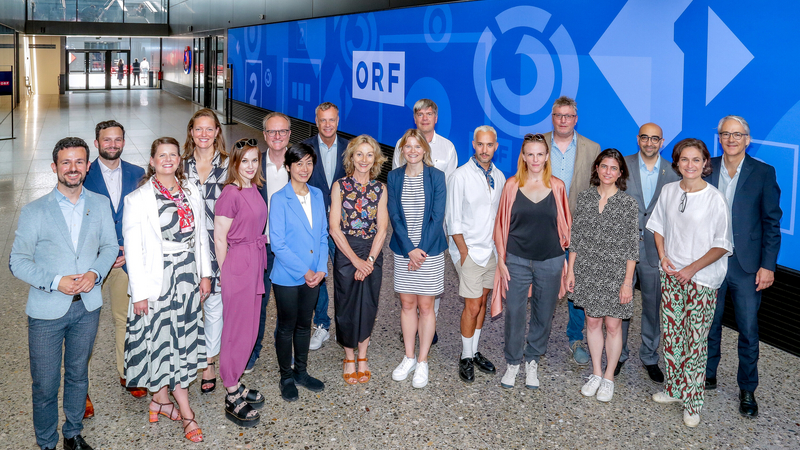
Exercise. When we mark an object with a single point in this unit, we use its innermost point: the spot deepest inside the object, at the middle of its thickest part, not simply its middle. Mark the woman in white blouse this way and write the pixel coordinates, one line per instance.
(692, 227)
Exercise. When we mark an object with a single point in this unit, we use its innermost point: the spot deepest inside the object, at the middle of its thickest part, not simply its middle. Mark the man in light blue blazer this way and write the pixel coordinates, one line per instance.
(64, 244)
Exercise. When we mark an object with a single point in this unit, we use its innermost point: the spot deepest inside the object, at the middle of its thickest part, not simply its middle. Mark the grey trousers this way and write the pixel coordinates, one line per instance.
(545, 276)
(650, 285)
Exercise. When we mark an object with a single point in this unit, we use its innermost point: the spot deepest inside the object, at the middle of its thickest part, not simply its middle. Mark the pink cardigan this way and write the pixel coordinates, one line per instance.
(503, 222)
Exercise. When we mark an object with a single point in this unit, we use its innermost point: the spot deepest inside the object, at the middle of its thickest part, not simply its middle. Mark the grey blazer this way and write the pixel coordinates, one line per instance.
(666, 175)
(43, 249)
(585, 154)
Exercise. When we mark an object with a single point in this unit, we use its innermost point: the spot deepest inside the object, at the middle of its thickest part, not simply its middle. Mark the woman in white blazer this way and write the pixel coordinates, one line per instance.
(169, 265)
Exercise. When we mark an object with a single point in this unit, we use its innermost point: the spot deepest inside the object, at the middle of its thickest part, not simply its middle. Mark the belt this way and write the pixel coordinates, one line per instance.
(76, 298)
(177, 247)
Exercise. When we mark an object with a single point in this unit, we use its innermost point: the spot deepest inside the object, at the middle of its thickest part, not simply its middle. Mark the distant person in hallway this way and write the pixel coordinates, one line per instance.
(359, 219)
(120, 71)
(136, 69)
(692, 228)
(751, 189)
(64, 245)
(205, 163)
(169, 263)
(145, 66)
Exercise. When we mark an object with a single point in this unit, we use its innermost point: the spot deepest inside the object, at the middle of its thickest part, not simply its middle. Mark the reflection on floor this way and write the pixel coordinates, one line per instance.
(445, 414)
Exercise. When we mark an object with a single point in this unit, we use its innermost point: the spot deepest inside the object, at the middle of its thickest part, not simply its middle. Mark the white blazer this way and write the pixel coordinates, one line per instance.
(141, 231)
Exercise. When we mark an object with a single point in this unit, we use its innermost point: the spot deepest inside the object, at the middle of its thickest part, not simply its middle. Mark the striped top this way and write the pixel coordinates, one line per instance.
(413, 201)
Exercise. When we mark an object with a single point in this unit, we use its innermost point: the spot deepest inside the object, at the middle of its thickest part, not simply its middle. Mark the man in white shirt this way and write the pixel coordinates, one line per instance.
(144, 67)
(443, 152)
(277, 131)
(473, 195)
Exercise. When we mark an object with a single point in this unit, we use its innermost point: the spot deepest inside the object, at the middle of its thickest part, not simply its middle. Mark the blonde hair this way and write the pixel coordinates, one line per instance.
(522, 166)
(219, 141)
(347, 159)
(416, 134)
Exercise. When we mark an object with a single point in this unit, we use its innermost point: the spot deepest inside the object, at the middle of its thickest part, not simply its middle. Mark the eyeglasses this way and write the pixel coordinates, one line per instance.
(682, 206)
(564, 116)
(738, 136)
(534, 137)
(242, 143)
(281, 133)
(645, 138)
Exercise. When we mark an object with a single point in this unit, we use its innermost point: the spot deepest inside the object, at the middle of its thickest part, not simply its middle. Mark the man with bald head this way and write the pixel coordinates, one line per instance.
(649, 172)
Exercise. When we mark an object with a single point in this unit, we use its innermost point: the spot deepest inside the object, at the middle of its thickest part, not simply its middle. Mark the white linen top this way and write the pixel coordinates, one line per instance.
(704, 224)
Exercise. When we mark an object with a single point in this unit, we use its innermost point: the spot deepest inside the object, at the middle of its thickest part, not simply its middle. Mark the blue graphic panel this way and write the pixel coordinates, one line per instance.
(682, 64)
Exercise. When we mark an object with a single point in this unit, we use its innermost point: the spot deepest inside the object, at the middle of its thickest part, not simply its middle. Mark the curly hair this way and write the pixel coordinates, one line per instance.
(347, 159)
(622, 181)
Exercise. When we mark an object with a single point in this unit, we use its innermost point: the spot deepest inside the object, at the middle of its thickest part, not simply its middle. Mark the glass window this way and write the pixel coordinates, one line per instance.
(100, 11)
(56, 10)
(145, 11)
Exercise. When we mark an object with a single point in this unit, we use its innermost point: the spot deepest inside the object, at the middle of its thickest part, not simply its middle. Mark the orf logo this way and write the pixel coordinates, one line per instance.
(187, 60)
(380, 77)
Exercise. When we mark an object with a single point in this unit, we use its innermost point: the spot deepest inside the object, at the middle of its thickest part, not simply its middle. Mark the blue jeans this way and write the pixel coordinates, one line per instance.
(321, 317)
(264, 302)
(577, 319)
(75, 331)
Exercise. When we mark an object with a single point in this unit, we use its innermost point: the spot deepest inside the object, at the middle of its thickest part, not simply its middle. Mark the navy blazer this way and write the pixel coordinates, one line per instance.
(756, 214)
(131, 176)
(298, 245)
(433, 240)
(318, 179)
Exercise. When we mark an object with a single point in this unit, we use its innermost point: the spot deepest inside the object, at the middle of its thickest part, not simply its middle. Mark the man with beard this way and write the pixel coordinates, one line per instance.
(114, 178)
(63, 246)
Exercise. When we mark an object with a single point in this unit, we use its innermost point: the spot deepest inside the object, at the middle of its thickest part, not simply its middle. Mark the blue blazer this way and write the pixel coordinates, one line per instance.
(433, 240)
(318, 179)
(298, 246)
(131, 176)
(43, 249)
(756, 214)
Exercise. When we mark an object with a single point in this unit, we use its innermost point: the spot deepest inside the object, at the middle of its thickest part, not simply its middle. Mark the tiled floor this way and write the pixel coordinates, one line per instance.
(384, 413)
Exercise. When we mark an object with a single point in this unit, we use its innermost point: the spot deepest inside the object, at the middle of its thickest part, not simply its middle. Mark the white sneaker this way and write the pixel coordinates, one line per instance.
(663, 397)
(691, 420)
(510, 377)
(590, 388)
(420, 379)
(406, 366)
(531, 377)
(606, 390)
(320, 335)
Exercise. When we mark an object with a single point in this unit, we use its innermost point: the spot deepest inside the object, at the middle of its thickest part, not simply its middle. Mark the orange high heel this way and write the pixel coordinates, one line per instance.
(349, 378)
(364, 377)
(195, 435)
(154, 414)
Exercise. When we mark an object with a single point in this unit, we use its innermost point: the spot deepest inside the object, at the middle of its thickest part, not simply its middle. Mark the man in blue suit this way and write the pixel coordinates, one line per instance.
(64, 244)
(753, 195)
(329, 147)
(114, 178)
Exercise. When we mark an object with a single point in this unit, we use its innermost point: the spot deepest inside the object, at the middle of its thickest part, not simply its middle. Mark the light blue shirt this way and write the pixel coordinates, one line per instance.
(563, 163)
(328, 158)
(727, 185)
(73, 216)
(649, 179)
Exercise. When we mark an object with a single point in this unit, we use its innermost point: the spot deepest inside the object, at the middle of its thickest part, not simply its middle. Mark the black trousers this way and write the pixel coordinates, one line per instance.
(295, 306)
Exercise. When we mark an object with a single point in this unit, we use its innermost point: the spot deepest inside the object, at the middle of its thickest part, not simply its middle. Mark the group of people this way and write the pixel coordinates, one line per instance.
(138, 70)
(190, 249)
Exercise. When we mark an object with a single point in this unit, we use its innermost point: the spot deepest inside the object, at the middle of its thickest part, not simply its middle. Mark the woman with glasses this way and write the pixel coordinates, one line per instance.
(692, 227)
(602, 259)
(205, 163)
(417, 195)
(239, 218)
(358, 222)
(531, 233)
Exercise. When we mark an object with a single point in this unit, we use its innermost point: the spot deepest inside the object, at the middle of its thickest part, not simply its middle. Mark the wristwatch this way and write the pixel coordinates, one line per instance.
(371, 259)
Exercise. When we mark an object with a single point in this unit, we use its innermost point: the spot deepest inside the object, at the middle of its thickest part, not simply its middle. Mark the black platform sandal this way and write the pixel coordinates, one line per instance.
(239, 411)
(212, 382)
(251, 396)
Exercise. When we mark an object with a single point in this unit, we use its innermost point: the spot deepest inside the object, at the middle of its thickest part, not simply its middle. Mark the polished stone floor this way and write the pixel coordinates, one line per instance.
(446, 414)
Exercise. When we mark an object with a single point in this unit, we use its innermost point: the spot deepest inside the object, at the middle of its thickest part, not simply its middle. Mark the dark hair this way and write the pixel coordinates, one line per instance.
(239, 149)
(622, 181)
(696, 143)
(107, 124)
(179, 174)
(297, 152)
(69, 142)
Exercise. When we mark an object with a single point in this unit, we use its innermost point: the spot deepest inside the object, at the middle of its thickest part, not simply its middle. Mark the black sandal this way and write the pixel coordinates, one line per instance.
(239, 411)
(251, 396)
(212, 382)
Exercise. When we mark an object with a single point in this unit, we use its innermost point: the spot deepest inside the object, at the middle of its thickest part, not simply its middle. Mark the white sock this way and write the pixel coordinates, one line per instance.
(475, 338)
(466, 346)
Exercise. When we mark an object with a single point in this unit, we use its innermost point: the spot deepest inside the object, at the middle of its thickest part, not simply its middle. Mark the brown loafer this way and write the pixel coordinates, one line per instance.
(137, 392)
(89, 413)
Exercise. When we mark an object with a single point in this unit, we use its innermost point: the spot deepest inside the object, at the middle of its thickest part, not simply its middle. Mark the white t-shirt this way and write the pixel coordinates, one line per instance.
(705, 223)
(305, 202)
(276, 177)
(443, 154)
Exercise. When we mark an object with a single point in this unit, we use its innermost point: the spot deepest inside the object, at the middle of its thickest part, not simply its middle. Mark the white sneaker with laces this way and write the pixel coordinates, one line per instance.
(510, 376)
(420, 379)
(406, 366)
(590, 388)
(606, 390)
(691, 420)
(320, 335)
(663, 397)
(531, 376)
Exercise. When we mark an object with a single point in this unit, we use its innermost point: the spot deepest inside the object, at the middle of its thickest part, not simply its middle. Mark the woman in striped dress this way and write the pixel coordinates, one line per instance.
(417, 194)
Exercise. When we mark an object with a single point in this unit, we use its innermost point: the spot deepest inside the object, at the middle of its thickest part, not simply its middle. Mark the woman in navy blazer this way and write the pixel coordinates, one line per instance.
(298, 234)
(417, 193)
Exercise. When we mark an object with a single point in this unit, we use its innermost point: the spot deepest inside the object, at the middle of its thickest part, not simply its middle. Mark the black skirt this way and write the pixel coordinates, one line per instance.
(355, 302)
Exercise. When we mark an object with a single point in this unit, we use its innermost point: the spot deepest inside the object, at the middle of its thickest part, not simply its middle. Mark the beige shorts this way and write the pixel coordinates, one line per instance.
(473, 279)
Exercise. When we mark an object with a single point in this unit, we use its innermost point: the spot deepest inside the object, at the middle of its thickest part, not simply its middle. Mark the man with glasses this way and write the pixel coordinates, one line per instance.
(571, 158)
(329, 147)
(277, 130)
(753, 195)
(645, 186)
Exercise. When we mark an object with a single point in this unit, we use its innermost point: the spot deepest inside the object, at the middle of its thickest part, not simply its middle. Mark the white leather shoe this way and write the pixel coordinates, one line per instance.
(420, 379)
(531, 375)
(590, 388)
(404, 369)
(510, 376)
(663, 397)
(691, 420)
(320, 335)
(606, 390)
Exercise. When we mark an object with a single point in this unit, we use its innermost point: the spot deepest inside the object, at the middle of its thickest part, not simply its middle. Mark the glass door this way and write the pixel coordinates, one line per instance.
(120, 70)
(77, 76)
(96, 69)
(219, 100)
